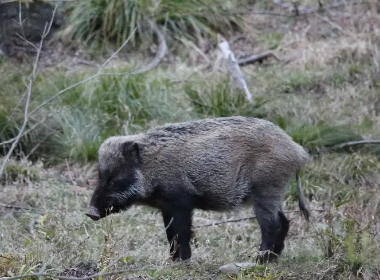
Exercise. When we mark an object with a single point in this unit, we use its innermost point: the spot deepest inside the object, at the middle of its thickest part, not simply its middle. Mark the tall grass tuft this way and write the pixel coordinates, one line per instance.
(103, 22)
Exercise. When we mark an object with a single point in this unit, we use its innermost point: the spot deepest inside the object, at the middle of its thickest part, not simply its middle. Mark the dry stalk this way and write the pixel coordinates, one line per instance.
(29, 93)
(245, 218)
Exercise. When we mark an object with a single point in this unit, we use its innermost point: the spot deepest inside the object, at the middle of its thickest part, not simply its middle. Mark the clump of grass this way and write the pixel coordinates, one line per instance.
(17, 172)
(74, 124)
(308, 80)
(350, 243)
(78, 136)
(221, 99)
(261, 272)
(113, 106)
(357, 244)
(272, 40)
(9, 263)
(97, 23)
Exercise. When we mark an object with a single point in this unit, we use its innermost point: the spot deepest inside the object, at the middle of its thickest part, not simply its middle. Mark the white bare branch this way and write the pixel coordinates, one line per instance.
(233, 67)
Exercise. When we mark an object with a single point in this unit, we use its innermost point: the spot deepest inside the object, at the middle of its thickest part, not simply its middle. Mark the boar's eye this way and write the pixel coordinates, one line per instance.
(110, 180)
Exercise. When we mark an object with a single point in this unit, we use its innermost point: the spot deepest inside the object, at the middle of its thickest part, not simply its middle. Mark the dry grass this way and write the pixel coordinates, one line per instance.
(332, 79)
(64, 237)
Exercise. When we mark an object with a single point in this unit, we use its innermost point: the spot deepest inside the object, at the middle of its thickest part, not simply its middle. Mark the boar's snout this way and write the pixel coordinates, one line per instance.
(93, 213)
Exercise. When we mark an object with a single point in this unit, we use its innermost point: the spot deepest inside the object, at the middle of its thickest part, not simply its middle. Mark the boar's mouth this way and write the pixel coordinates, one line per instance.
(93, 213)
(96, 215)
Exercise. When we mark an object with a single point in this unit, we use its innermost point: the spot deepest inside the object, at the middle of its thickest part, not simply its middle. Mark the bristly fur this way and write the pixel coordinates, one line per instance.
(211, 164)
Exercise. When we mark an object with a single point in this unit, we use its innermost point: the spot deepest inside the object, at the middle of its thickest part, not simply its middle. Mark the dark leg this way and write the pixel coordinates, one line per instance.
(170, 234)
(279, 246)
(267, 216)
(179, 233)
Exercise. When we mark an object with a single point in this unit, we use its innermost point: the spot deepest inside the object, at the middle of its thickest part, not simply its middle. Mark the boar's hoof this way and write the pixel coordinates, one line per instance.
(266, 257)
(179, 260)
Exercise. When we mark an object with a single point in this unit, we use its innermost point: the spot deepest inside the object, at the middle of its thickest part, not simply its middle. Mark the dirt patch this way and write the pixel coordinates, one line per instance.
(82, 269)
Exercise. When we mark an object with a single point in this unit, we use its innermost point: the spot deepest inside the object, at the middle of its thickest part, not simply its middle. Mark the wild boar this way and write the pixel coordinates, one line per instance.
(213, 164)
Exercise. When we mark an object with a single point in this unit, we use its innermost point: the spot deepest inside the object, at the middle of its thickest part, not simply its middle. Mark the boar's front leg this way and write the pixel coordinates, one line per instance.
(178, 232)
(168, 222)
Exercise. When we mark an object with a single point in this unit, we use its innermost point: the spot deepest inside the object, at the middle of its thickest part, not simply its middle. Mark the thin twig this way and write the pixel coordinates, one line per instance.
(335, 6)
(16, 207)
(29, 90)
(245, 218)
(27, 131)
(337, 26)
(256, 58)
(118, 50)
(70, 174)
(38, 145)
(354, 143)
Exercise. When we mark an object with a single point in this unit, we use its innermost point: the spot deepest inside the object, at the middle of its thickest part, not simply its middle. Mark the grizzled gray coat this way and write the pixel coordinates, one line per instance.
(211, 164)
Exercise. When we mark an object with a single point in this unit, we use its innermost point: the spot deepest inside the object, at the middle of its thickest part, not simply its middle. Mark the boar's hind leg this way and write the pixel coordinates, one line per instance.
(271, 228)
(178, 233)
(279, 245)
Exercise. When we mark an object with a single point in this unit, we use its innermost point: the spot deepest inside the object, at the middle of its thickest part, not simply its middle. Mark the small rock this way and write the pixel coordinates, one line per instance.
(244, 264)
(229, 269)
(233, 268)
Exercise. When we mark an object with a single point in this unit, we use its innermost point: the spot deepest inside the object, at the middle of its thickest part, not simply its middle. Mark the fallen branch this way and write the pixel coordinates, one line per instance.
(21, 208)
(354, 143)
(246, 218)
(233, 66)
(14, 207)
(256, 58)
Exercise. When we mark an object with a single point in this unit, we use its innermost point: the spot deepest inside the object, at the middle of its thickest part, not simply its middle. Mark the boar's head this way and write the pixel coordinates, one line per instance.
(118, 183)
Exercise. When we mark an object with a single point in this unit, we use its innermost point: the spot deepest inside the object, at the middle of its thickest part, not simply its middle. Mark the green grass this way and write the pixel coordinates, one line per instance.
(80, 119)
(137, 237)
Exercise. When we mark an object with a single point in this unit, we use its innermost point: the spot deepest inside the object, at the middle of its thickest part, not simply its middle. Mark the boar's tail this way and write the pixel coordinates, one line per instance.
(301, 199)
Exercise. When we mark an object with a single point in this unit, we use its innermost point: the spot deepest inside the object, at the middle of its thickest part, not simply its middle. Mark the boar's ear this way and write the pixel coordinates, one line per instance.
(131, 150)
